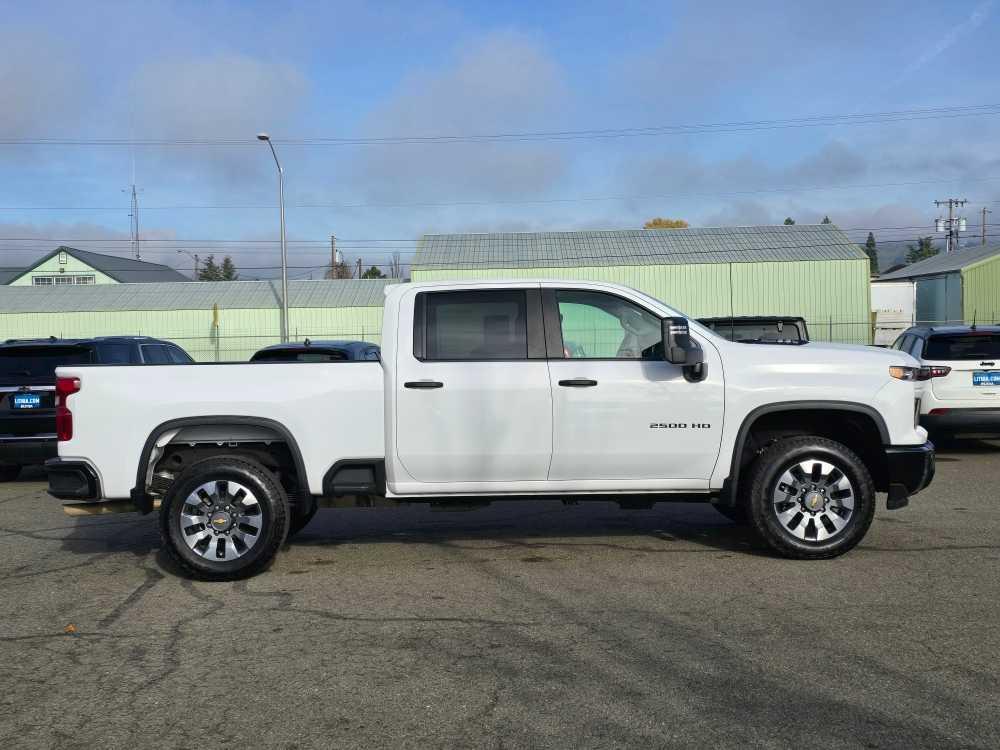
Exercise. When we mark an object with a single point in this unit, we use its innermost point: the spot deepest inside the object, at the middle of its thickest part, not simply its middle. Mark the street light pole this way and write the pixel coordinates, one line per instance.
(195, 258)
(284, 246)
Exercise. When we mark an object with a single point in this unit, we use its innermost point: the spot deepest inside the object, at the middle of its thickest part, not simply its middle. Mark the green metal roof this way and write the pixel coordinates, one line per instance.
(943, 263)
(631, 247)
(193, 295)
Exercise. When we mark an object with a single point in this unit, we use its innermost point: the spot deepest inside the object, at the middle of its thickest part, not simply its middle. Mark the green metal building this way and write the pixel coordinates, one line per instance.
(67, 266)
(213, 321)
(953, 288)
(813, 271)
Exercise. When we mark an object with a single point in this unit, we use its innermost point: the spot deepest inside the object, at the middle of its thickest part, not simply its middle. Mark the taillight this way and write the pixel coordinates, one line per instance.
(937, 372)
(65, 387)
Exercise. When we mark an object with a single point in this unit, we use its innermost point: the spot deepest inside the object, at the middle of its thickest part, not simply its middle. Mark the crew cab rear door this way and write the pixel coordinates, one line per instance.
(620, 412)
(473, 402)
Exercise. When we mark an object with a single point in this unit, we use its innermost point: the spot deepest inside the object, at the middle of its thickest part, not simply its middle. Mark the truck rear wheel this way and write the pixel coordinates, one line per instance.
(811, 498)
(224, 518)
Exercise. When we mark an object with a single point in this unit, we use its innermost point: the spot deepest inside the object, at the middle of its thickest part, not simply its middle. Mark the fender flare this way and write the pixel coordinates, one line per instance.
(732, 481)
(144, 503)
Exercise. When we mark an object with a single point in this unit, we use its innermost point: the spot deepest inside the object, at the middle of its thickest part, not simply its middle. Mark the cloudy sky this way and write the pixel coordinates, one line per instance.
(96, 93)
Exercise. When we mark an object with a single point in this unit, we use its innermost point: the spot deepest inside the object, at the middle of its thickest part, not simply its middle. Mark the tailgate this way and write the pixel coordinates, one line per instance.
(974, 359)
(27, 410)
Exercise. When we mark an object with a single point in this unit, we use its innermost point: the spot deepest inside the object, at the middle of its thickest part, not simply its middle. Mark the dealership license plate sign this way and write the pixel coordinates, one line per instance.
(27, 401)
(986, 377)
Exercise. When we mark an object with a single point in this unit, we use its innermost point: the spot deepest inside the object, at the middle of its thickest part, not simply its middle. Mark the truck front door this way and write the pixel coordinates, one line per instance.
(473, 402)
(620, 412)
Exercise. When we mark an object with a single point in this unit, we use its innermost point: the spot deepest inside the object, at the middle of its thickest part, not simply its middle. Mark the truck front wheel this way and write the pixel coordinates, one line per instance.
(224, 518)
(811, 498)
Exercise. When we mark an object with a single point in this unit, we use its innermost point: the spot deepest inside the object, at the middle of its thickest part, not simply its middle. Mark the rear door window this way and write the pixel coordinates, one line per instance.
(963, 346)
(480, 325)
(178, 356)
(116, 354)
(155, 354)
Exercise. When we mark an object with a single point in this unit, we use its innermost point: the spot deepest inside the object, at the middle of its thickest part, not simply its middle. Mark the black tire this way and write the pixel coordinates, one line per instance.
(301, 517)
(9, 472)
(786, 456)
(736, 513)
(270, 519)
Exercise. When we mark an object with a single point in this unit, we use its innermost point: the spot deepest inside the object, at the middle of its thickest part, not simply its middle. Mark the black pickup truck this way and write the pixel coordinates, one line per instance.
(28, 383)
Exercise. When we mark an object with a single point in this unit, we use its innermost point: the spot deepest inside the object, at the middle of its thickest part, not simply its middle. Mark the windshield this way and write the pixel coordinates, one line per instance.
(963, 346)
(39, 362)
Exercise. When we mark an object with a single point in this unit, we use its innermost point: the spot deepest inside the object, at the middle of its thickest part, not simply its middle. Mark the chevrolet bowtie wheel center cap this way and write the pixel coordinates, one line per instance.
(221, 521)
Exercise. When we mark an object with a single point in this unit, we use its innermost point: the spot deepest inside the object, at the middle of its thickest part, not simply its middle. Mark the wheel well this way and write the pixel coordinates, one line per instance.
(857, 430)
(175, 446)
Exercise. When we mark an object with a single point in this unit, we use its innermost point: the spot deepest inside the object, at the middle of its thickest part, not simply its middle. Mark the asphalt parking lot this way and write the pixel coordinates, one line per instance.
(513, 626)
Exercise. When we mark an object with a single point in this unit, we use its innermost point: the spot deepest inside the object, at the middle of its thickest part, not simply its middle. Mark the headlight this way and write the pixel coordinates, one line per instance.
(904, 373)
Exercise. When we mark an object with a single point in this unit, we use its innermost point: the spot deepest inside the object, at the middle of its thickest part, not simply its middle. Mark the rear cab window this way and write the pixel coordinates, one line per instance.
(963, 346)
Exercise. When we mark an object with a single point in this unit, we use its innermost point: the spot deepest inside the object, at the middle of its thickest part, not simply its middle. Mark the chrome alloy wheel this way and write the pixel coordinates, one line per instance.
(221, 520)
(813, 500)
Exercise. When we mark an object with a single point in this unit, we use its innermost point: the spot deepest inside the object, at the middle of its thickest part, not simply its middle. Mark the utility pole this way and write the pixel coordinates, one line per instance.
(134, 221)
(333, 251)
(358, 275)
(953, 224)
(985, 211)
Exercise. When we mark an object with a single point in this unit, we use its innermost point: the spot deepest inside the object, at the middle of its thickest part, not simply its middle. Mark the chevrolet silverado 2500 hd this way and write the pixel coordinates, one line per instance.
(500, 390)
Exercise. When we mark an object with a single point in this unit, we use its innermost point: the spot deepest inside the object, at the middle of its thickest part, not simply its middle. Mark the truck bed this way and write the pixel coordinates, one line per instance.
(334, 410)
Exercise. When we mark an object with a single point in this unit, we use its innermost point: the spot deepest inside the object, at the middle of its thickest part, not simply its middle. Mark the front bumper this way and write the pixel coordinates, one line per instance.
(33, 449)
(909, 468)
(72, 480)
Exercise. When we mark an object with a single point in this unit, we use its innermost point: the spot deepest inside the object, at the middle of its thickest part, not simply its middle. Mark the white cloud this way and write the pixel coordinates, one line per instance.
(503, 82)
(221, 96)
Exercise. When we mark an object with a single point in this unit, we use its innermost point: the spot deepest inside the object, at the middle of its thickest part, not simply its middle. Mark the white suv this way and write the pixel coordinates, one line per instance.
(962, 367)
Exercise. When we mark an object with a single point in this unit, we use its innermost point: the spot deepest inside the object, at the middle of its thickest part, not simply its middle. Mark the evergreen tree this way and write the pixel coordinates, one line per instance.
(228, 270)
(209, 270)
(922, 250)
(826, 220)
(872, 252)
(373, 273)
(212, 271)
(789, 221)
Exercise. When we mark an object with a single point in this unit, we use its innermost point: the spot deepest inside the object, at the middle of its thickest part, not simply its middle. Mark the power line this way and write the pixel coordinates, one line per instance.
(359, 243)
(869, 118)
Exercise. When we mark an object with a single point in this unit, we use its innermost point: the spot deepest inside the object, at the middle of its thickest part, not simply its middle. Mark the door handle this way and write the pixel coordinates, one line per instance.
(578, 383)
(423, 384)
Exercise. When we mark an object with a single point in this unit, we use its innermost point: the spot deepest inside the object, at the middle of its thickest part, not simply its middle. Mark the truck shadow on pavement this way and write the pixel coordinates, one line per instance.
(534, 525)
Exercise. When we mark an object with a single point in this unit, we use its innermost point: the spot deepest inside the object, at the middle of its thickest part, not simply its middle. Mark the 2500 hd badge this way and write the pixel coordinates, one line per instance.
(680, 426)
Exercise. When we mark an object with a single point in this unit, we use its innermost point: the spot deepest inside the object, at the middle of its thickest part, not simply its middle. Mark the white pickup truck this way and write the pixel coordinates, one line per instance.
(499, 390)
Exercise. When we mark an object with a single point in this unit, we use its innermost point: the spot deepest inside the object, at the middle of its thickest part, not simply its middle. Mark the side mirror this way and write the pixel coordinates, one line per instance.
(678, 348)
